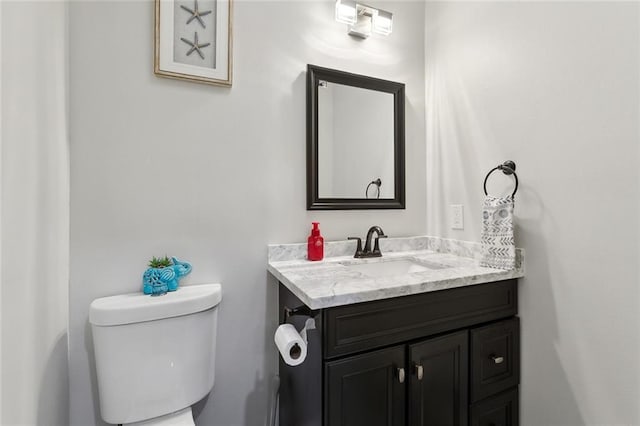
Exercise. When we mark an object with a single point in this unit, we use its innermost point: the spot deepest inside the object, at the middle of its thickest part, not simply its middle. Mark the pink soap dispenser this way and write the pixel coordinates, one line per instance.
(315, 244)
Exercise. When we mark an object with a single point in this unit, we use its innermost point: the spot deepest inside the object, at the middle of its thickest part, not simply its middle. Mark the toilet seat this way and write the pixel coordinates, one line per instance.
(179, 418)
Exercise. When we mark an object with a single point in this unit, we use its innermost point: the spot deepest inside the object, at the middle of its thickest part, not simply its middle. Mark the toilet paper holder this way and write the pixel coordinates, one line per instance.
(302, 310)
(292, 343)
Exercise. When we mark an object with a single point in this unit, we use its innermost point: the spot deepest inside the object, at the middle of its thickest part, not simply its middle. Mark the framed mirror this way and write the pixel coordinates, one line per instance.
(355, 141)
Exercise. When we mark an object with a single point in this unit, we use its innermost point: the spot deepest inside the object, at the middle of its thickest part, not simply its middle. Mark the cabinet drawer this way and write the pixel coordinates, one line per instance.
(495, 358)
(500, 410)
(369, 325)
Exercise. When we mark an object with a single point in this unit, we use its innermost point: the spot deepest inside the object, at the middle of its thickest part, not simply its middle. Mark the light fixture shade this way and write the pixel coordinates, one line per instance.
(383, 22)
(346, 12)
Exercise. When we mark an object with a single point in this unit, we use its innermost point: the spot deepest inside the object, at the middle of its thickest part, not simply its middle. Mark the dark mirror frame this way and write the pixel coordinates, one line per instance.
(314, 202)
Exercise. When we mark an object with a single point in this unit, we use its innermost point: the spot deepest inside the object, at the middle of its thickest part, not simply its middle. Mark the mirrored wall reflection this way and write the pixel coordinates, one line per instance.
(355, 142)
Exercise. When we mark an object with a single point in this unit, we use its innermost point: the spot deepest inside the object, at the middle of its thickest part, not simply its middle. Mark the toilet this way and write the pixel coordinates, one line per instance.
(155, 356)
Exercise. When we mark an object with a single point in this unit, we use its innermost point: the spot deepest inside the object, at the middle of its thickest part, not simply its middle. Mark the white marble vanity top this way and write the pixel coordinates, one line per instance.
(436, 264)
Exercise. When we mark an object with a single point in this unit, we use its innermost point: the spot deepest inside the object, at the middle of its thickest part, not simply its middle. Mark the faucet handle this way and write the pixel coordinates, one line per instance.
(359, 247)
(376, 246)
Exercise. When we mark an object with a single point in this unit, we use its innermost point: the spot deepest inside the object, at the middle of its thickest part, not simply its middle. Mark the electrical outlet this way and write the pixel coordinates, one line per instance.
(457, 216)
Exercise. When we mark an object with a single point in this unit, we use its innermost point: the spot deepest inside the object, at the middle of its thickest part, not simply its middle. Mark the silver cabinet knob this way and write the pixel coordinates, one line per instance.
(497, 359)
(419, 371)
(401, 375)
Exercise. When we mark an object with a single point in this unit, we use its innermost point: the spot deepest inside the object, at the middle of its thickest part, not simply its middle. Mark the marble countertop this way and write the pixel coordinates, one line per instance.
(442, 264)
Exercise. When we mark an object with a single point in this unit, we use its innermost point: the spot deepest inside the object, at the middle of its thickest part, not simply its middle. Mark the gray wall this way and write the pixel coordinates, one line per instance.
(554, 87)
(213, 174)
(34, 212)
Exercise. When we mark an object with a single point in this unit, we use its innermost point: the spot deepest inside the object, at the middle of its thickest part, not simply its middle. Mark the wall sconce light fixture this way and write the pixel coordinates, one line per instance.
(363, 19)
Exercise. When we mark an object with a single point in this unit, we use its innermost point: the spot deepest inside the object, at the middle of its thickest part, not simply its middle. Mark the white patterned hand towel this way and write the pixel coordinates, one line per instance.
(498, 244)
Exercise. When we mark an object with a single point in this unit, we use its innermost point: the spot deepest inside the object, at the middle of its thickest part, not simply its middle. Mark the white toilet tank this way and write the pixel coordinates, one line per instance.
(154, 355)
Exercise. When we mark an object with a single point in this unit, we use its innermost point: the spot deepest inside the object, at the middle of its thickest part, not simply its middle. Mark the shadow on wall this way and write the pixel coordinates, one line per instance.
(53, 398)
(197, 408)
(257, 410)
(539, 334)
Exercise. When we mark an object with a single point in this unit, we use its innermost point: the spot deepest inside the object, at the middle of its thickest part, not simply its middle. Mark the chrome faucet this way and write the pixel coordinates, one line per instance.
(367, 252)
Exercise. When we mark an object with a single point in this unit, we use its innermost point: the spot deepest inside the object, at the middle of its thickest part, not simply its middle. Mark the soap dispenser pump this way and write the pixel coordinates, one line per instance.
(315, 243)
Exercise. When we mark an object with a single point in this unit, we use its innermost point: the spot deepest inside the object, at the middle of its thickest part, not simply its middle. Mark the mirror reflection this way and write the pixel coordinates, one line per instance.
(355, 142)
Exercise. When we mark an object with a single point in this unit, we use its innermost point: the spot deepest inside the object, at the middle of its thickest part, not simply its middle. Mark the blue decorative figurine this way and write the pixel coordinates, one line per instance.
(163, 275)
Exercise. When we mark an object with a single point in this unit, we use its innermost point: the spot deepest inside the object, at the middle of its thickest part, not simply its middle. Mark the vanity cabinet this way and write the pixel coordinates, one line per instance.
(448, 357)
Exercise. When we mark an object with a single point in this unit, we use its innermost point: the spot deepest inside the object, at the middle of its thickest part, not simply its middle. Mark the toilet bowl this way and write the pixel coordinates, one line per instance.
(155, 356)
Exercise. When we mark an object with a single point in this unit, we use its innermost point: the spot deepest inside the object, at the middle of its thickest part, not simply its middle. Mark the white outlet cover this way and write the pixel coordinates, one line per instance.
(457, 216)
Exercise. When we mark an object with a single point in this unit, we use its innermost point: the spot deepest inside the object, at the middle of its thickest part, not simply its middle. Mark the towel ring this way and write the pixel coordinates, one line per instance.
(377, 183)
(508, 168)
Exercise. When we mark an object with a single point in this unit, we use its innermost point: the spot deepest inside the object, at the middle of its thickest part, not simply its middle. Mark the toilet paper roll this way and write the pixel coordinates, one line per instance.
(291, 345)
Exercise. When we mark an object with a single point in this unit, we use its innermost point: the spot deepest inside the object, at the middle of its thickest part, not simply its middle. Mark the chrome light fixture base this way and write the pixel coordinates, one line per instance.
(363, 19)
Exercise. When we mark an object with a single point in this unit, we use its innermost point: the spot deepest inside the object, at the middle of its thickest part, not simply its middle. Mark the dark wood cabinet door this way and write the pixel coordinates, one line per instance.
(499, 410)
(367, 389)
(439, 380)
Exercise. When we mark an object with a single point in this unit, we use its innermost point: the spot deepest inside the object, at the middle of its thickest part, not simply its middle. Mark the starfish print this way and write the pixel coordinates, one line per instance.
(195, 46)
(196, 14)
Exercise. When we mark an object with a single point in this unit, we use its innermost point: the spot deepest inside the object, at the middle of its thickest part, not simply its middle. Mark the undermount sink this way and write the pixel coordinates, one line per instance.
(391, 267)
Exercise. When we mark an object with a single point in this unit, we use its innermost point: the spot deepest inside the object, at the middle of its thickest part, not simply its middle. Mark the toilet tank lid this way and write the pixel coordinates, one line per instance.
(137, 307)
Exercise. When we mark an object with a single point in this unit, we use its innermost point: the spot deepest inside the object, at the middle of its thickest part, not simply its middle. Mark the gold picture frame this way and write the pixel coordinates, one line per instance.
(193, 40)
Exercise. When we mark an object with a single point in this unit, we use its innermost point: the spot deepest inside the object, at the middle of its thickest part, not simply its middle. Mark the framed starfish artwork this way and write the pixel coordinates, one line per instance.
(193, 40)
